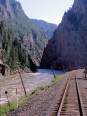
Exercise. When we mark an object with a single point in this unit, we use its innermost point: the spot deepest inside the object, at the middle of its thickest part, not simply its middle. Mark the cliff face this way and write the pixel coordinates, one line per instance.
(68, 47)
(20, 40)
(6, 8)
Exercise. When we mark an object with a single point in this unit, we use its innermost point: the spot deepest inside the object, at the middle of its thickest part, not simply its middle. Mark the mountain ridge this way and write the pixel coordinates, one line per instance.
(21, 41)
(46, 27)
(68, 47)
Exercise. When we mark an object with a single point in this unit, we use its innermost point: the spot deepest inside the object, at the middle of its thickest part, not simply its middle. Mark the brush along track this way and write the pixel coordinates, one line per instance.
(62, 99)
(44, 103)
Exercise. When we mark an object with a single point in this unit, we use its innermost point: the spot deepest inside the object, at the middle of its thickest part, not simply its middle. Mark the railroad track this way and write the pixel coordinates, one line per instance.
(71, 104)
(68, 98)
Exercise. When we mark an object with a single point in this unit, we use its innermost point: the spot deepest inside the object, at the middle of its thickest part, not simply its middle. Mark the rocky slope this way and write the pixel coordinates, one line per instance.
(21, 42)
(47, 28)
(68, 47)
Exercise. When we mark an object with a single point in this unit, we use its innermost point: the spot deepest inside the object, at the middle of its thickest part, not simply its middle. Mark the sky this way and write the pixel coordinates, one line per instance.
(49, 10)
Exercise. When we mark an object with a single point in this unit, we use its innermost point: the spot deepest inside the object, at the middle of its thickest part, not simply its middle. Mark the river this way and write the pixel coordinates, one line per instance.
(32, 81)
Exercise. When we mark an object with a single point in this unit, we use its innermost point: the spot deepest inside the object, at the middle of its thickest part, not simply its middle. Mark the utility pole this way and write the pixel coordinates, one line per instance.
(22, 83)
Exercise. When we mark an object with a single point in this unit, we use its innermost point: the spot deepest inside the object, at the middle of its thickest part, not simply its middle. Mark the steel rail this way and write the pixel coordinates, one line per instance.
(79, 98)
(63, 98)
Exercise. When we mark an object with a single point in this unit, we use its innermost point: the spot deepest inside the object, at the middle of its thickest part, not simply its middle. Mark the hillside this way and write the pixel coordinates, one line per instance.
(47, 28)
(21, 42)
(68, 47)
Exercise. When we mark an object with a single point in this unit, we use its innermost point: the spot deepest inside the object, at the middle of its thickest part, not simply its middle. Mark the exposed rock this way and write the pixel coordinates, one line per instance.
(21, 41)
(68, 47)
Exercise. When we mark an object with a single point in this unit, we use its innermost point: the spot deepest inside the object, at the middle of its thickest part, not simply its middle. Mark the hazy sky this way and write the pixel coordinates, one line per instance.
(48, 10)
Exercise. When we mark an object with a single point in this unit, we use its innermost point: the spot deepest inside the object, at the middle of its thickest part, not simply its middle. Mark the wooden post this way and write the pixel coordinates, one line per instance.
(17, 95)
(22, 83)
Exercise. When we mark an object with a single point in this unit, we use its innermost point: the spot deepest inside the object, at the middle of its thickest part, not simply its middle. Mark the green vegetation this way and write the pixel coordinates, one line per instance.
(57, 78)
(13, 52)
(5, 108)
(21, 42)
(22, 99)
(42, 88)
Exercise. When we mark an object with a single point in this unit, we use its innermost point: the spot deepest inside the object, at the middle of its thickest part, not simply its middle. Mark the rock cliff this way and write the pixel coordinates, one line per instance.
(68, 47)
(21, 42)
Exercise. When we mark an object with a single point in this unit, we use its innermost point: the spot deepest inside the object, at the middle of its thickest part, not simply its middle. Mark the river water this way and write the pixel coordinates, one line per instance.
(32, 81)
(48, 71)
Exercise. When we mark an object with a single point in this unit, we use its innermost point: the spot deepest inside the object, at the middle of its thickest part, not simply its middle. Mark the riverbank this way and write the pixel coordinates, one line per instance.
(22, 100)
(31, 81)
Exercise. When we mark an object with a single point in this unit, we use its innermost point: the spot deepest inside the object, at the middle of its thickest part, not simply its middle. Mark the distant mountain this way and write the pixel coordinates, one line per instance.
(21, 42)
(48, 28)
(68, 47)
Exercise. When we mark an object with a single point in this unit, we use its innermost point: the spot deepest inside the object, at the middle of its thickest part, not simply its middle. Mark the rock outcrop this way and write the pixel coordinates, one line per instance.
(21, 41)
(68, 47)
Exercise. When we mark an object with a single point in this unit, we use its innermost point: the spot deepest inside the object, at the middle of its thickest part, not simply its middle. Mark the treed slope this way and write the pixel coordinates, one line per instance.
(47, 28)
(21, 41)
(68, 47)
